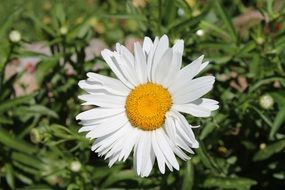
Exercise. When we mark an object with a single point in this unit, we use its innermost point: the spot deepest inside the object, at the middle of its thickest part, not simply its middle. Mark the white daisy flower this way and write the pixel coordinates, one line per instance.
(140, 111)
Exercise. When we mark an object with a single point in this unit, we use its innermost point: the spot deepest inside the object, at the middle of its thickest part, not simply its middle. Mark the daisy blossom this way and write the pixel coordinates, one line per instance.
(139, 111)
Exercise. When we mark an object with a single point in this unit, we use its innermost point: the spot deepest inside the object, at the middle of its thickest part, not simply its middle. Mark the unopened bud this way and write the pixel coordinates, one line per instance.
(266, 101)
(35, 136)
(200, 32)
(15, 36)
(63, 30)
(75, 166)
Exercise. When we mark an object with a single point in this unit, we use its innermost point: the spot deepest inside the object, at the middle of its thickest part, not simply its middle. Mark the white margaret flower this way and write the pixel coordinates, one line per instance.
(140, 110)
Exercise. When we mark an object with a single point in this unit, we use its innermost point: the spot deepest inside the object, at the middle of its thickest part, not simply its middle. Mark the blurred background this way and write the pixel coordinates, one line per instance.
(47, 46)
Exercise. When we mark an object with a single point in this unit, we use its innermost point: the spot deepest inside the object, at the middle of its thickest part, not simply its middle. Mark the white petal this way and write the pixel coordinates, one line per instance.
(91, 124)
(113, 160)
(199, 108)
(162, 46)
(97, 82)
(194, 90)
(140, 154)
(116, 147)
(185, 130)
(165, 147)
(104, 142)
(126, 68)
(111, 61)
(125, 52)
(170, 128)
(162, 68)
(148, 156)
(147, 45)
(182, 144)
(195, 110)
(179, 46)
(140, 63)
(158, 153)
(203, 66)
(104, 100)
(207, 103)
(186, 74)
(97, 113)
(150, 163)
(173, 70)
(150, 56)
(131, 140)
(106, 128)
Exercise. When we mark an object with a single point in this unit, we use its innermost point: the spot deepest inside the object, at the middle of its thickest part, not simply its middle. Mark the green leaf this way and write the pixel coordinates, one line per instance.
(226, 19)
(10, 176)
(211, 126)
(269, 151)
(38, 110)
(280, 117)
(263, 116)
(29, 160)
(278, 121)
(59, 13)
(207, 26)
(6, 105)
(8, 140)
(119, 176)
(5, 120)
(23, 178)
(188, 178)
(208, 160)
(266, 81)
(229, 183)
(169, 11)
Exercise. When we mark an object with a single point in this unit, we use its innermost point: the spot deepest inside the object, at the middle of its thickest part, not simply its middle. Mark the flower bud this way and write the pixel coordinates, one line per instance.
(35, 136)
(200, 32)
(15, 36)
(75, 166)
(63, 30)
(266, 101)
(260, 40)
(262, 146)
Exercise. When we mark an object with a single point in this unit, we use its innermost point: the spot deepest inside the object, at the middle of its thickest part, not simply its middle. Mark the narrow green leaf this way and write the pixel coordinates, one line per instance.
(29, 160)
(226, 19)
(15, 143)
(59, 13)
(119, 176)
(278, 121)
(229, 183)
(41, 110)
(6, 105)
(169, 11)
(211, 27)
(265, 82)
(263, 116)
(188, 178)
(211, 126)
(10, 178)
(269, 151)
(23, 178)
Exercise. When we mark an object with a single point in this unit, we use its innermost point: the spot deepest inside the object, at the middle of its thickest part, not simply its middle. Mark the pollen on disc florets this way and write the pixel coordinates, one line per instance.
(147, 105)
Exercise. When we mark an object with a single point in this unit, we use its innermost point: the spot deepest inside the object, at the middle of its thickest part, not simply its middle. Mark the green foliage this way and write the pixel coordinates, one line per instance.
(241, 146)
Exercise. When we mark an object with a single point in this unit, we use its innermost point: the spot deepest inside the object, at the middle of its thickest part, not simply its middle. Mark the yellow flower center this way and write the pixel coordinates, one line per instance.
(147, 105)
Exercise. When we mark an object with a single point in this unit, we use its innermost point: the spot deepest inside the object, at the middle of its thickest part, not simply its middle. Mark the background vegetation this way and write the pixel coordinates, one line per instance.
(242, 145)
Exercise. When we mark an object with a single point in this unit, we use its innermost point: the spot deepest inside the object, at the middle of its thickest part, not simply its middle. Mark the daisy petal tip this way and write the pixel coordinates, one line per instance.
(90, 74)
(201, 58)
(78, 117)
(195, 145)
(196, 126)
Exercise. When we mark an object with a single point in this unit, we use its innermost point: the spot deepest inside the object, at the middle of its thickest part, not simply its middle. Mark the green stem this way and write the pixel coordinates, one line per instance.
(2, 72)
